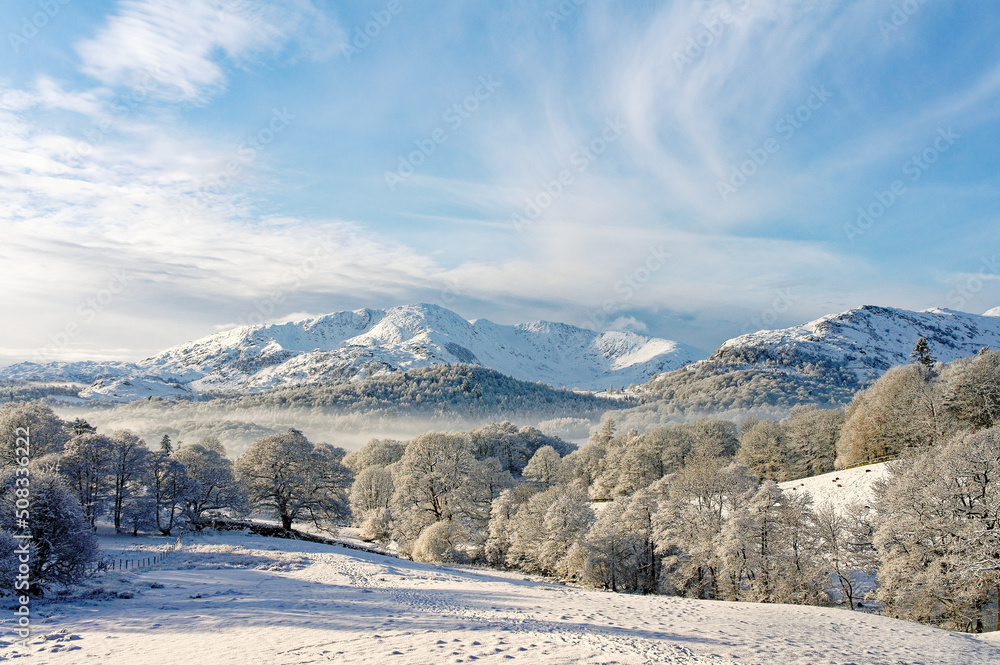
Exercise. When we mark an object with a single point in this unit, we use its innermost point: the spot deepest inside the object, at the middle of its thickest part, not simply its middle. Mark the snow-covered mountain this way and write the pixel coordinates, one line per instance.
(823, 362)
(346, 345)
(867, 340)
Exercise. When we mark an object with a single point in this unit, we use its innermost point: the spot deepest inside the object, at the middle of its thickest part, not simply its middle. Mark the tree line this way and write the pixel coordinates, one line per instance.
(78, 475)
(690, 508)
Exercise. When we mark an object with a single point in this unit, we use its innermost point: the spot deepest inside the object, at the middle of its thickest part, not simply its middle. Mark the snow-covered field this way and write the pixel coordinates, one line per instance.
(248, 599)
(839, 488)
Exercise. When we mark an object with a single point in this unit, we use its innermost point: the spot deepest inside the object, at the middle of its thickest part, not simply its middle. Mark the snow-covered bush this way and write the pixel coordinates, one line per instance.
(442, 542)
(62, 545)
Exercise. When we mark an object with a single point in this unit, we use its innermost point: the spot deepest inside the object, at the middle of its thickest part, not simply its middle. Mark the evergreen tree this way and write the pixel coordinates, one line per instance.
(166, 447)
(81, 426)
(922, 353)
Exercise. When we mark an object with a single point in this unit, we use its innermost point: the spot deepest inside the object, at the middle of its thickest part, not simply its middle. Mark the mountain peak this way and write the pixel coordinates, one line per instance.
(364, 342)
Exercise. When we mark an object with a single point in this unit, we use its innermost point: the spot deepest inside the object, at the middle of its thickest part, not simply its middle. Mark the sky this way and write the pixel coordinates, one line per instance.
(688, 170)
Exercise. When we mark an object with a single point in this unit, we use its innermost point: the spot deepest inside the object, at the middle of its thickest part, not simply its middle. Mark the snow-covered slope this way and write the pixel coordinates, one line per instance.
(246, 599)
(345, 345)
(839, 489)
(868, 340)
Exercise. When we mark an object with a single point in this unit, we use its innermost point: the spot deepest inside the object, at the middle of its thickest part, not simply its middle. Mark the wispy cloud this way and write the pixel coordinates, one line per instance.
(188, 44)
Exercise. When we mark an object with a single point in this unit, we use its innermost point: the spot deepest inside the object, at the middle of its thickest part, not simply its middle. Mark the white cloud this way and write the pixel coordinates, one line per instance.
(628, 324)
(184, 45)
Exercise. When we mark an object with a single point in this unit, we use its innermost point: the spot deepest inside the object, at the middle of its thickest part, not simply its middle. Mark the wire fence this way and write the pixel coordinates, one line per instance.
(129, 562)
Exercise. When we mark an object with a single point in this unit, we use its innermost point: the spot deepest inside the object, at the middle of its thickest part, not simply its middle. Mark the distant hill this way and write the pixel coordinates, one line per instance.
(371, 342)
(823, 362)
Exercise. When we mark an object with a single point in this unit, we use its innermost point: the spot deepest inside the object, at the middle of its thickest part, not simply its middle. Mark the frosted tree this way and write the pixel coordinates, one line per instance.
(938, 536)
(87, 465)
(498, 538)
(768, 549)
(487, 481)
(763, 452)
(502, 441)
(689, 521)
(546, 527)
(640, 468)
(377, 452)
(621, 544)
(372, 490)
(166, 481)
(607, 544)
(566, 522)
(62, 545)
(433, 484)
(902, 409)
(810, 436)
(442, 542)
(922, 353)
(845, 545)
(80, 426)
(127, 459)
(48, 434)
(210, 484)
(712, 437)
(543, 467)
(294, 479)
(972, 390)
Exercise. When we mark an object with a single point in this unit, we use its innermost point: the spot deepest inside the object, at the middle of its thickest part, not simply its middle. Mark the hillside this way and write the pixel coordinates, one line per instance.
(369, 342)
(840, 488)
(235, 599)
(822, 362)
(866, 341)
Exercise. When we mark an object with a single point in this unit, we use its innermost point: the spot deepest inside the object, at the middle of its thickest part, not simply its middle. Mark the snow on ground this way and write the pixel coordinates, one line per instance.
(233, 598)
(840, 488)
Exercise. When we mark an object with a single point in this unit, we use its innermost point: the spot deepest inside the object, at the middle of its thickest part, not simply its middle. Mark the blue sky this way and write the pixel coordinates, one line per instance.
(685, 170)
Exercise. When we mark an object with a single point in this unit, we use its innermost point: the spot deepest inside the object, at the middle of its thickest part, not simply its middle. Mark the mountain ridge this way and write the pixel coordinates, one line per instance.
(355, 344)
